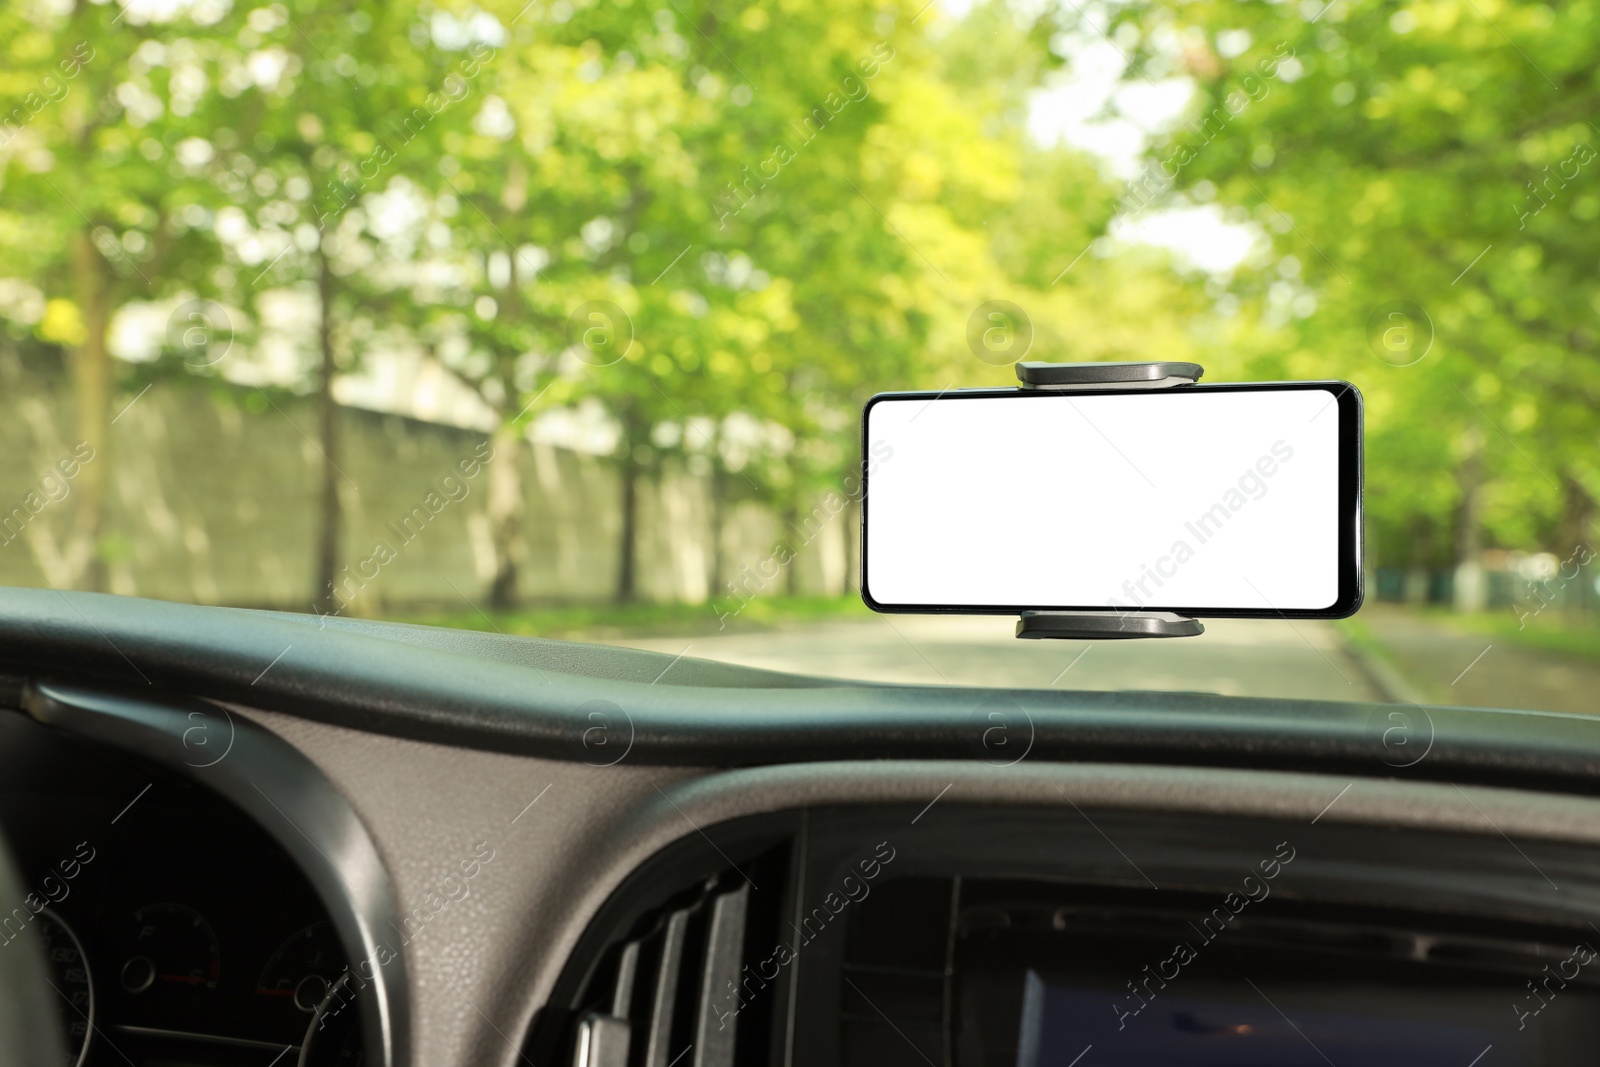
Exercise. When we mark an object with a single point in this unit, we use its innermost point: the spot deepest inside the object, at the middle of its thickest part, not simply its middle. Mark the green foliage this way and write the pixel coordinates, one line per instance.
(730, 223)
(784, 229)
(1436, 153)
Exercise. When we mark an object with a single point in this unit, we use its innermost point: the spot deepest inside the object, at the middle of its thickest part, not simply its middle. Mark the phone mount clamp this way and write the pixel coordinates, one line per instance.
(1105, 625)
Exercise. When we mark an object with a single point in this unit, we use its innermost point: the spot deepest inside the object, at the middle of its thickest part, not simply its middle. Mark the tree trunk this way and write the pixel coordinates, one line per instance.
(505, 474)
(854, 483)
(1577, 511)
(328, 516)
(791, 570)
(505, 515)
(852, 546)
(1419, 568)
(91, 380)
(1577, 544)
(1470, 585)
(719, 521)
(627, 579)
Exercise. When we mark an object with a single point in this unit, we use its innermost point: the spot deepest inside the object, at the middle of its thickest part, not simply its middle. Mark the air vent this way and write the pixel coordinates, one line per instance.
(678, 988)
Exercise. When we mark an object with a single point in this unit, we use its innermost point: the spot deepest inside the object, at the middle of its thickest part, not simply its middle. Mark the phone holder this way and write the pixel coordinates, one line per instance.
(1068, 377)
(1105, 625)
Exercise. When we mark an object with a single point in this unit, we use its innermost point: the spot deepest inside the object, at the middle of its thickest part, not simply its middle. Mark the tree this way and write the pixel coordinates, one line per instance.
(1425, 162)
(92, 186)
(319, 108)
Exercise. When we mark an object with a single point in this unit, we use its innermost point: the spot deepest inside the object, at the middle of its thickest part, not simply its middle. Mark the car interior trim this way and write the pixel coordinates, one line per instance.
(637, 811)
(283, 792)
(538, 697)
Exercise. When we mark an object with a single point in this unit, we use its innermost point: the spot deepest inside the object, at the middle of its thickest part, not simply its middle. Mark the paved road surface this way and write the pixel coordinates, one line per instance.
(1233, 657)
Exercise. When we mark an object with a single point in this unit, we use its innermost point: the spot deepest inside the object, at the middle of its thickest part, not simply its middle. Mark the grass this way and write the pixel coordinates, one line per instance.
(1358, 633)
(1380, 662)
(1548, 631)
(599, 620)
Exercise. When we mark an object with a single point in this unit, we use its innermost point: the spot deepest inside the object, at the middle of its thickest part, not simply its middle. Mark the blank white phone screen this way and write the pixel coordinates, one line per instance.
(1190, 498)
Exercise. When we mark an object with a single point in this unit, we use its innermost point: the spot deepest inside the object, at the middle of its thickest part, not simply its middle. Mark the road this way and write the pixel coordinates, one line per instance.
(1233, 657)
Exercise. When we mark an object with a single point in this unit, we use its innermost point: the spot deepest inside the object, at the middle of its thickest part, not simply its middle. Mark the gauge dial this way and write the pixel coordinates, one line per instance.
(334, 1037)
(173, 948)
(303, 968)
(69, 974)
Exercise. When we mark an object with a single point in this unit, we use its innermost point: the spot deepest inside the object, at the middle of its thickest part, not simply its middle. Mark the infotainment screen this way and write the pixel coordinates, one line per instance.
(1003, 972)
(1037, 982)
(1074, 1026)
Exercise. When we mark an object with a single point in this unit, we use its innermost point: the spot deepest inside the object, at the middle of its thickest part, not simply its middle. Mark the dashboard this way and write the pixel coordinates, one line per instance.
(429, 849)
(1015, 937)
(176, 931)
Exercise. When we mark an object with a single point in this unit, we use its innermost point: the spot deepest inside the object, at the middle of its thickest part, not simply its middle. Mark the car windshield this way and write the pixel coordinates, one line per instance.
(557, 317)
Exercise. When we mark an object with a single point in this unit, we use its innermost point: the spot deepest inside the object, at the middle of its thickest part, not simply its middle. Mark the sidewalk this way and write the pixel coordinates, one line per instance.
(1447, 666)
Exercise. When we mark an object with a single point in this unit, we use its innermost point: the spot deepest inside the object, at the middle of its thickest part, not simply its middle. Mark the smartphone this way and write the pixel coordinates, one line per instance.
(1232, 500)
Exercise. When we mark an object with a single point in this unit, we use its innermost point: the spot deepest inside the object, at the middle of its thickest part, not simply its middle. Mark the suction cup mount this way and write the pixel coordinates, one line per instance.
(1106, 625)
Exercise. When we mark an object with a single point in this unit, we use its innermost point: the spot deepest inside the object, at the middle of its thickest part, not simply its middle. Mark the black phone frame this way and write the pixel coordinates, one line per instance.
(1352, 462)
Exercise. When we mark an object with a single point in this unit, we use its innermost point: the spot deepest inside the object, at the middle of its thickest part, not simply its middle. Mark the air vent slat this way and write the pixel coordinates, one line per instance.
(714, 1035)
(627, 972)
(602, 1042)
(675, 982)
(664, 1008)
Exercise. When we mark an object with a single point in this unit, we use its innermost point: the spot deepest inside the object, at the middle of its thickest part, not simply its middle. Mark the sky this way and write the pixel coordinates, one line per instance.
(1090, 108)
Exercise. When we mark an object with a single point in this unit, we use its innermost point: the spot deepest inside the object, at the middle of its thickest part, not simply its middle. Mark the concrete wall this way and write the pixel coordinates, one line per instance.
(213, 500)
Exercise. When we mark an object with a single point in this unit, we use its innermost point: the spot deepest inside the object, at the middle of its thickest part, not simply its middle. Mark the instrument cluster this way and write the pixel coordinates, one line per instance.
(175, 930)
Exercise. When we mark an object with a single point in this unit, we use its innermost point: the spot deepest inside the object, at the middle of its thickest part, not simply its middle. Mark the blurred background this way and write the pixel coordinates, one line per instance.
(556, 317)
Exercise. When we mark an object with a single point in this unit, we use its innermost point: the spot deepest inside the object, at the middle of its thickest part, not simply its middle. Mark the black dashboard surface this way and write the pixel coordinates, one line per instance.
(539, 697)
